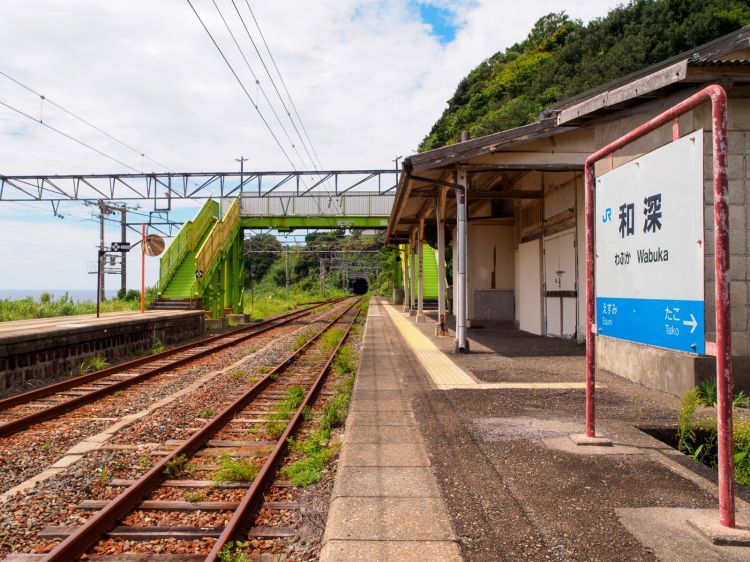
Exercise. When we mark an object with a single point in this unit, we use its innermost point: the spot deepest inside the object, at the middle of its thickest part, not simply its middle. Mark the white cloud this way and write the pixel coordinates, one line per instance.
(367, 77)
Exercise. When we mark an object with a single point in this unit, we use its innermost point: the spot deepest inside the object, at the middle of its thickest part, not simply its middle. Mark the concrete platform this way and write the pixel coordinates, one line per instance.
(50, 347)
(386, 502)
(480, 465)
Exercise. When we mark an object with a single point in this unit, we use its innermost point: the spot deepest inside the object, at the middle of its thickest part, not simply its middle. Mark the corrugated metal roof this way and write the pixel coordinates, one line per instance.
(718, 62)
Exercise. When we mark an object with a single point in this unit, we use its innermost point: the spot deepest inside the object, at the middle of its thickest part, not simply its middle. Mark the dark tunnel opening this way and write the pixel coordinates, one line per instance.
(358, 286)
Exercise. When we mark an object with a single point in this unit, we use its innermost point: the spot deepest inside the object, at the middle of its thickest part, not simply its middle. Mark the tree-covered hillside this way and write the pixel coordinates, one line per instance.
(562, 57)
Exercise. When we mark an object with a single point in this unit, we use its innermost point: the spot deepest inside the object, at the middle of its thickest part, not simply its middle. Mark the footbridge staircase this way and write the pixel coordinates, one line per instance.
(204, 264)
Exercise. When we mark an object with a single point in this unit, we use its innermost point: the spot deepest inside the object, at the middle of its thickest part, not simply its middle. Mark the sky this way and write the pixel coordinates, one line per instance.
(368, 78)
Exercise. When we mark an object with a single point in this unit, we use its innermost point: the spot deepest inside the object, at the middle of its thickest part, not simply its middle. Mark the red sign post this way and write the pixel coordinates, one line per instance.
(718, 98)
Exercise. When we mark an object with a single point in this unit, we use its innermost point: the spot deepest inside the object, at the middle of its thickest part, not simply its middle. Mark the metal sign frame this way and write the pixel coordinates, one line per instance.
(650, 248)
(718, 98)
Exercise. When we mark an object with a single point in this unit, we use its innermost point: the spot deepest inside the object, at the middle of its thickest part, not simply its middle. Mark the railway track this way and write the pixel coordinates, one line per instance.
(240, 432)
(21, 411)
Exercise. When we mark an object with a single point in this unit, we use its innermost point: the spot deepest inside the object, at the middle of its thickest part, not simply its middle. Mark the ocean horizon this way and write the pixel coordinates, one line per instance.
(77, 295)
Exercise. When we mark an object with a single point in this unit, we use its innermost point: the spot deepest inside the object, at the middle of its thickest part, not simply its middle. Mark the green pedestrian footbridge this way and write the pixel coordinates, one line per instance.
(204, 266)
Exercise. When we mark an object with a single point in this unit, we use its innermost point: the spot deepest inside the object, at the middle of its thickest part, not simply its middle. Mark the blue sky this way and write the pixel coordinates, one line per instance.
(443, 20)
(369, 77)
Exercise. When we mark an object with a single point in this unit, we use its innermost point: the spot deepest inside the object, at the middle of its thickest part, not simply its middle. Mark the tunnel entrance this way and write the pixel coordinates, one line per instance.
(358, 286)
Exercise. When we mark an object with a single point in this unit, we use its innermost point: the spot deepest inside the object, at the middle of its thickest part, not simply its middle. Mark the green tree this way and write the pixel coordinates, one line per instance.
(562, 57)
(261, 251)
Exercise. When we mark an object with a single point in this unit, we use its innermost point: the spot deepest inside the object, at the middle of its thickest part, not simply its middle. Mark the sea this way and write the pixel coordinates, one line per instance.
(76, 294)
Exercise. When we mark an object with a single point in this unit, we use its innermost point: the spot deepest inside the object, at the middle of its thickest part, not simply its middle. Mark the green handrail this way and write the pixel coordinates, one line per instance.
(217, 240)
(186, 241)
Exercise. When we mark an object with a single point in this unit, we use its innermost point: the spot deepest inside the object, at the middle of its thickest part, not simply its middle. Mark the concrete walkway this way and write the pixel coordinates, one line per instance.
(449, 456)
(386, 503)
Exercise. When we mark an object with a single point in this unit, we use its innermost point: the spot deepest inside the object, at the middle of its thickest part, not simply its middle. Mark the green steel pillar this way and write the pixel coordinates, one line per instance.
(228, 277)
(239, 272)
(217, 292)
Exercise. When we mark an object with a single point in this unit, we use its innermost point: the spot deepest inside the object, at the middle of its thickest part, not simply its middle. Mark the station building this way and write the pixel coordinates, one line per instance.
(524, 204)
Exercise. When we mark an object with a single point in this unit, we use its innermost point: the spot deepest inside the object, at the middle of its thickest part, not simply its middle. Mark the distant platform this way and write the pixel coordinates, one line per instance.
(54, 347)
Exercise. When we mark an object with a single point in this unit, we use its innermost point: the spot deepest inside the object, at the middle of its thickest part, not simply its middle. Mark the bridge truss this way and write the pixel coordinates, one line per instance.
(162, 188)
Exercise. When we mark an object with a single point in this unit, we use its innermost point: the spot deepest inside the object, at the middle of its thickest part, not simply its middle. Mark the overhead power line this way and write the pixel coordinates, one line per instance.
(273, 82)
(78, 117)
(68, 136)
(242, 85)
(283, 83)
(319, 164)
(257, 81)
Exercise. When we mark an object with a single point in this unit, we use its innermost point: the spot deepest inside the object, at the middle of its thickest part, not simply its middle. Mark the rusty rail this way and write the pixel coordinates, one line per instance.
(76, 545)
(253, 498)
(233, 337)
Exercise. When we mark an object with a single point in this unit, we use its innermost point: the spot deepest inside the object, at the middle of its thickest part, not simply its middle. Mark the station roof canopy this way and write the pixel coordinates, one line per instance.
(561, 139)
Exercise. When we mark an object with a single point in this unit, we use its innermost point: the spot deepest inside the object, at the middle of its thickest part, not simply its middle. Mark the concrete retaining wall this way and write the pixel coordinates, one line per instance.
(61, 351)
(662, 369)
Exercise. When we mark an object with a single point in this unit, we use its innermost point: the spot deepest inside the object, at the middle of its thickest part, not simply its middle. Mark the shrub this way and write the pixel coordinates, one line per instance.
(158, 347)
(234, 470)
(93, 364)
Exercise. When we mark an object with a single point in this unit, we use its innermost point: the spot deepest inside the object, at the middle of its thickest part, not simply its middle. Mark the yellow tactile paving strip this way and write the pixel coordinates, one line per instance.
(446, 375)
(443, 372)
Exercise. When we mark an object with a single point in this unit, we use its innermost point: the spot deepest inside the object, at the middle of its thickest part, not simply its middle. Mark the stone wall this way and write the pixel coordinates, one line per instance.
(29, 356)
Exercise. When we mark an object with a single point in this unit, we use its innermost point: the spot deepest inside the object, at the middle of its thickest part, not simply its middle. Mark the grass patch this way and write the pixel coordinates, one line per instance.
(206, 413)
(145, 462)
(332, 338)
(235, 470)
(47, 306)
(158, 347)
(234, 552)
(93, 364)
(284, 411)
(345, 362)
(707, 393)
(699, 439)
(270, 300)
(300, 341)
(175, 466)
(317, 454)
(316, 450)
(194, 497)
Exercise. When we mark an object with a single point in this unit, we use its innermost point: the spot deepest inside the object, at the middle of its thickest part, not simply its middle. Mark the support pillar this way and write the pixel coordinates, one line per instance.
(440, 329)
(407, 279)
(462, 342)
(413, 266)
(420, 272)
(238, 281)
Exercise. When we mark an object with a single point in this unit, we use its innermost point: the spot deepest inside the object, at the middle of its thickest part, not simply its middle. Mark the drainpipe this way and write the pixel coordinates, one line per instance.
(407, 277)
(413, 265)
(462, 343)
(439, 219)
(420, 273)
(460, 306)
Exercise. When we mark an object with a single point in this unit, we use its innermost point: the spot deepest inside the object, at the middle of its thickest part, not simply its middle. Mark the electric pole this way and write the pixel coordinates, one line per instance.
(242, 161)
(322, 277)
(104, 210)
(123, 256)
(286, 270)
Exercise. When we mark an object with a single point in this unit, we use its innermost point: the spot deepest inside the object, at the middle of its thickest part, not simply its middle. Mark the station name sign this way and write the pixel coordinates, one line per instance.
(650, 247)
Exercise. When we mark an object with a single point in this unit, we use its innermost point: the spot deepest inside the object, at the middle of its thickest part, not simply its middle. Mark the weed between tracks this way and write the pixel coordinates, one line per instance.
(235, 470)
(194, 497)
(158, 347)
(178, 465)
(283, 412)
(317, 450)
(93, 364)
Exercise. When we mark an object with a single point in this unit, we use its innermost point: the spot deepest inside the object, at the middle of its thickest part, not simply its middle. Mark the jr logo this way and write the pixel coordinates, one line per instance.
(607, 215)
